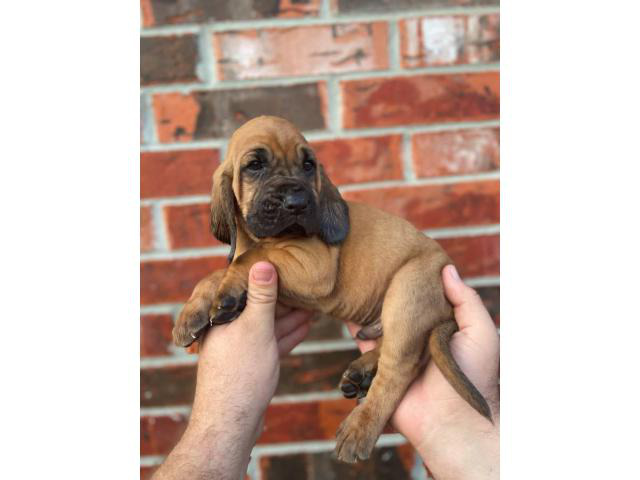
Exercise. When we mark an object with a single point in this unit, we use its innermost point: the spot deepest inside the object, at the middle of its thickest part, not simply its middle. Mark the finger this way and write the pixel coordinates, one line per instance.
(262, 294)
(363, 345)
(285, 325)
(290, 341)
(467, 304)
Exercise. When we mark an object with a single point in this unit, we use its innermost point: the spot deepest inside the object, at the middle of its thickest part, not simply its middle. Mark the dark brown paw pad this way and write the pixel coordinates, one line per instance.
(228, 309)
(356, 383)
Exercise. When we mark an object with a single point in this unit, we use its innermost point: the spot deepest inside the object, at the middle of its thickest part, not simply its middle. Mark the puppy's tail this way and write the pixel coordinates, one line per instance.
(441, 354)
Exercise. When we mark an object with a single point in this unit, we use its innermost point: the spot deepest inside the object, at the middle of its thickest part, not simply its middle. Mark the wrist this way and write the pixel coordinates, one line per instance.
(463, 448)
(217, 450)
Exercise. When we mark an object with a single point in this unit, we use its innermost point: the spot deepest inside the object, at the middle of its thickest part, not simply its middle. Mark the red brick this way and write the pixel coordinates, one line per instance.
(146, 229)
(214, 114)
(143, 139)
(368, 6)
(188, 226)
(420, 99)
(155, 335)
(297, 422)
(179, 172)
(168, 59)
(158, 435)
(147, 472)
(456, 152)
(449, 40)
(167, 386)
(491, 299)
(474, 256)
(313, 372)
(169, 281)
(365, 159)
(305, 50)
(163, 12)
(437, 206)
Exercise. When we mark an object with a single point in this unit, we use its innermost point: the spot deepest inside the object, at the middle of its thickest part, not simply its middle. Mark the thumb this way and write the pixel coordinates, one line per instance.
(467, 304)
(262, 292)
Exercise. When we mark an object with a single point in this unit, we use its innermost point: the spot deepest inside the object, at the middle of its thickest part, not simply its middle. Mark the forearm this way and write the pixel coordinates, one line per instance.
(210, 453)
(476, 444)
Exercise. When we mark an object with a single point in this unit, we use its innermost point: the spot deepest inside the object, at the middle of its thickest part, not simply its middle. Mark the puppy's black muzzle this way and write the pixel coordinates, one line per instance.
(284, 206)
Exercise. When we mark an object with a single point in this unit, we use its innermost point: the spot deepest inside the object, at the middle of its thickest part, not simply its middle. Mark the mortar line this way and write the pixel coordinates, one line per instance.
(485, 281)
(160, 237)
(174, 201)
(394, 46)
(305, 348)
(182, 410)
(318, 135)
(407, 158)
(187, 253)
(418, 472)
(187, 88)
(467, 231)
(151, 460)
(253, 469)
(307, 397)
(185, 410)
(168, 361)
(149, 132)
(322, 346)
(319, 446)
(207, 64)
(421, 182)
(325, 9)
(193, 145)
(334, 104)
(224, 26)
(160, 309)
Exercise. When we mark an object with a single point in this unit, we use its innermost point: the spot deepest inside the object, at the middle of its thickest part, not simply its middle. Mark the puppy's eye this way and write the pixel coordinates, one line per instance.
(308, 165)
(255, 165)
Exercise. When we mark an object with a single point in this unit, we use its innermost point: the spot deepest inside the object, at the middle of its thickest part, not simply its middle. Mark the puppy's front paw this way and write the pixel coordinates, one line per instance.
(227, 307)
(356, 437)
(193, 320)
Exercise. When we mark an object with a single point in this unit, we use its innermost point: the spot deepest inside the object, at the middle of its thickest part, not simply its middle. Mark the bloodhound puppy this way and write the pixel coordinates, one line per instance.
(272, 201)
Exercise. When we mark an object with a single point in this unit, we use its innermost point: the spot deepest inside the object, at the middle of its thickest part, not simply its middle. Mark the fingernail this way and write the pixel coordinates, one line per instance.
(453, 273)
(262, 273)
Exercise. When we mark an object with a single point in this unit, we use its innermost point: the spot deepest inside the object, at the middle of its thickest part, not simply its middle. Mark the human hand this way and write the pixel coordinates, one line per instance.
(238, 371)
(454, 440)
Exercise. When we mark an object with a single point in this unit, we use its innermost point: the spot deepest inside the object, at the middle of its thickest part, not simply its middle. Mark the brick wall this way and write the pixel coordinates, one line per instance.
(401, 101)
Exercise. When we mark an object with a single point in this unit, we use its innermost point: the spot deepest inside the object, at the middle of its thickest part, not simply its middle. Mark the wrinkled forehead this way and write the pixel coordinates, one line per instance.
(282, 141)
(277, 146)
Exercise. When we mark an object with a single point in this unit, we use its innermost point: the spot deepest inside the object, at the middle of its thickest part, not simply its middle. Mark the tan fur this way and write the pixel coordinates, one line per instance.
(385, 270)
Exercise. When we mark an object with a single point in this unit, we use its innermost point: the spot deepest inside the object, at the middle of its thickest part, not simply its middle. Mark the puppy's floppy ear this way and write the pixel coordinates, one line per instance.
(333, 212)
(223, 209)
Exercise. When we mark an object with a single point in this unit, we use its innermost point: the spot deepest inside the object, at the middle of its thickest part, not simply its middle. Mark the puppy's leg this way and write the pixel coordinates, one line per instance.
(305, 273)
(413, 305)
(357, 378)
(194, 317)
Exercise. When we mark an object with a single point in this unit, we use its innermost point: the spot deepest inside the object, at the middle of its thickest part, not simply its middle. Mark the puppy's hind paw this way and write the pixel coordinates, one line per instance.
(355, 438)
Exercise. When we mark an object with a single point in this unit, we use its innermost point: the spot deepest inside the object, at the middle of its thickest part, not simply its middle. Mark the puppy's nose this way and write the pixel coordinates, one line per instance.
(296, 202)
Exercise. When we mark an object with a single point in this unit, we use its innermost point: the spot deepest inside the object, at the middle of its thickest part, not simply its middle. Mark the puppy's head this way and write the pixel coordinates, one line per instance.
(272, 185)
